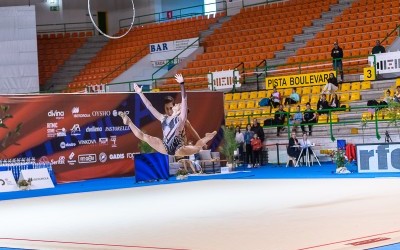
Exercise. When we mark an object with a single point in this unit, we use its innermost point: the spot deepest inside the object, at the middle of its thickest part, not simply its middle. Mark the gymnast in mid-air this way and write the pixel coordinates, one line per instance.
(173, 126)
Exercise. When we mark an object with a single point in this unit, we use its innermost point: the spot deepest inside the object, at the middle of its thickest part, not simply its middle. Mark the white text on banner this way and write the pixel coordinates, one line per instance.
(302, 80)
(224, 80)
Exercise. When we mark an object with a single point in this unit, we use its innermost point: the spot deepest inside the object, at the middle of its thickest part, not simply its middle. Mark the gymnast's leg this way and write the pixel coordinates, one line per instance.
(154, 142)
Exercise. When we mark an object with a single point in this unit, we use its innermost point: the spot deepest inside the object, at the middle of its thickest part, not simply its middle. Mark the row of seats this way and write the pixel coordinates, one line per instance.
(73, 34)
(134, 46)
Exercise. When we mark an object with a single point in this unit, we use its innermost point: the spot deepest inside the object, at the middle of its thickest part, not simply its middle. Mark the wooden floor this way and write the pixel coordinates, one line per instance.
(323, 214)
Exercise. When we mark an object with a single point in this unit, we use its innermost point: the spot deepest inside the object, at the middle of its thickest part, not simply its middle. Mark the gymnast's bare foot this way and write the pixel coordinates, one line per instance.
(125, 119)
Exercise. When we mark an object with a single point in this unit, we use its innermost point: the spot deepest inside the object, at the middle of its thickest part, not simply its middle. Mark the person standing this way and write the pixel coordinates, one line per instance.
(337, 56)
(248, 135)
(239, 138)
(256, 146)
(257, 129)
(378, 48)
(309, 117)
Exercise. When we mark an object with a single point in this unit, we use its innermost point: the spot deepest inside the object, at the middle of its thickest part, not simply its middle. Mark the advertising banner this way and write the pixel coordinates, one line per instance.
(302, 80)
(40, 178)
(378, 158)
(83, 136)
(7, 182)
(162, 52)
(224, 80)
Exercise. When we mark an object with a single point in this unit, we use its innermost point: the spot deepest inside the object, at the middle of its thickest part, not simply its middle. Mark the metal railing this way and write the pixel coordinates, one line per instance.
(176, 14)
(65, 27)
(392, 32)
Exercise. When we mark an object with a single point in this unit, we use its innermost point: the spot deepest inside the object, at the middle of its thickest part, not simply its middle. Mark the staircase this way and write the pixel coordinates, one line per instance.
(71, 68)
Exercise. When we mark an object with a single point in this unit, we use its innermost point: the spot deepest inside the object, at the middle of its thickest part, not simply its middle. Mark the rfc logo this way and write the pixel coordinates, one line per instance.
(87, 158)
(56, 113)
(76, 114)
(76, 130)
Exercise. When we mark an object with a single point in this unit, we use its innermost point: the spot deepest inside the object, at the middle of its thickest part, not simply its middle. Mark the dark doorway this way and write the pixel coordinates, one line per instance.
(102, 21)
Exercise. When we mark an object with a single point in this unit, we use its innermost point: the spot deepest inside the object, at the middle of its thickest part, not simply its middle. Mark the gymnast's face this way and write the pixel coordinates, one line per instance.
(168, 108)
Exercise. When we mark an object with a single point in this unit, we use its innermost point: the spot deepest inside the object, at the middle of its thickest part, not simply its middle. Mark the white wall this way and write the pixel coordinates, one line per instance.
(18, 50)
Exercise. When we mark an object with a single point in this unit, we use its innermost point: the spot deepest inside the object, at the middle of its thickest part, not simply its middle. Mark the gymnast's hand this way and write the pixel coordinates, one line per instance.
(179, 78)
(137, 88)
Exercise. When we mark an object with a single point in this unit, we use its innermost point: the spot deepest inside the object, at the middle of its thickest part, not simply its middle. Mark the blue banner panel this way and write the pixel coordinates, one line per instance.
(151, 167)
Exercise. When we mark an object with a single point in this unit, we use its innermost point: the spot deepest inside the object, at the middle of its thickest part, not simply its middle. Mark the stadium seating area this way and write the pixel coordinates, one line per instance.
(54, 49)
(241, 108)
(252, 36)
(134, 46)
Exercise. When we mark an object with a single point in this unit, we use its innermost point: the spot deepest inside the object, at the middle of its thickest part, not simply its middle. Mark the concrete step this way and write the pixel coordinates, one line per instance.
(312, 29)
(76, 63)
(303, 37)
(294, 45)
(322, 22)
(275, 62)
(284, 54)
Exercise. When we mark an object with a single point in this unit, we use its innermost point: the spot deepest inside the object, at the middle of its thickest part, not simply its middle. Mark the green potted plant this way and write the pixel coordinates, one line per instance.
(181, 174)
(25, 184)
(339, 158)
(229, 144)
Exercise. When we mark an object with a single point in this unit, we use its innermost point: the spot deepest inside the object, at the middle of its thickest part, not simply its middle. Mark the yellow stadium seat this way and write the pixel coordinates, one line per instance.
(228, 97)
(248, 113)
(236, 96)
(253, 95)
(322, 118)
(287, 92)
(345, 87)
(334, 118)
(262, 94)
(239, 113)
(355, 86)
(306, 90)
(344, 97)
(355, 96)
(265, 112)
(398, 82)
(231, 114)
(233, 105)
(226, 106)
(314, 99)
(242, 105)
(250, 104)
(366, 85)
(304, 99)
(316, 90)
(245, 95)
(257, 113)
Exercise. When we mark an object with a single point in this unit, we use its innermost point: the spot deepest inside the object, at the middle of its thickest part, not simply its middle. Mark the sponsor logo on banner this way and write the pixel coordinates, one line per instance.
(59, 161)
(43, 159)
(87, 142)
(94, 129)
(76, 130)
(130, 155)
(7, 182)
(64, 145)
(61, 132)
(117, 156)
(117, 128)
(87, 158)
(103, 141)
(76, 114)
(40, 178)
(56, 113)
(101, 113)
(115, 112)
(113, 139)
(51, 129)
(224, 80)
(102, 157)
(71, 160)
(373, 158)
(301, 80)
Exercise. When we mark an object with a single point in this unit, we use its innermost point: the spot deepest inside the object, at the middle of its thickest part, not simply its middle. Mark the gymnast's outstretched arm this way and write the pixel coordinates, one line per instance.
(147, 103)
(183, 114)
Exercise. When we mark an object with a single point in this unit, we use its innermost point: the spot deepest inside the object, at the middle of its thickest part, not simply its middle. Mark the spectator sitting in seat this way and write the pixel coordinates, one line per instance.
(334, 104)
(280, 115)
(396, 96)
(293, 98)
(275, 98)
(378, 48)
(293, 149)
(331, 86)
(296, 119)
(322, 106)
(309, 117)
